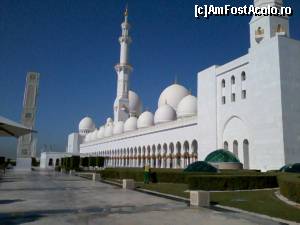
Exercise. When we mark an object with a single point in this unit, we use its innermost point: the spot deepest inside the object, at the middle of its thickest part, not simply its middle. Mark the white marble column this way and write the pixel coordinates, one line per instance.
(168, 163)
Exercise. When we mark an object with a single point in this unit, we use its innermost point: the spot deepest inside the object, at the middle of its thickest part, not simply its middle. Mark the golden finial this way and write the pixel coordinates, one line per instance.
(126, 10)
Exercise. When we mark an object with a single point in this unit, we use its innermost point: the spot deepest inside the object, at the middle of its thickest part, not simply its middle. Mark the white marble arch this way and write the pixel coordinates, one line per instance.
(235, 132)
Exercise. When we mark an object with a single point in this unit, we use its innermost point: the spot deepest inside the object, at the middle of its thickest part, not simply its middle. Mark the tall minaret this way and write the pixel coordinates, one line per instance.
(123, 69)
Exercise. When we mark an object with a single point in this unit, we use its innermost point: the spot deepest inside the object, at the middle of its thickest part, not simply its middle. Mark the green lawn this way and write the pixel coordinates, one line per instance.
(263, 202)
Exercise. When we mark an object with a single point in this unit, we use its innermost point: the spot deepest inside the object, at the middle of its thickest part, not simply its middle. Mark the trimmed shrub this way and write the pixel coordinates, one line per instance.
(74, 162)
(136, 174)
(2, 160)
(169, 176)
(290, 186)
(67, 163)
(11, 162)
(231, 182)
(92, 161)
(62, 163)
(100, 161)
(34, 162)
(156, 175)
(84, 162)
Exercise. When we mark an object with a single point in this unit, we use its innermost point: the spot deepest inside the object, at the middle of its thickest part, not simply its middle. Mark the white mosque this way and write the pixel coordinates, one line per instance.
(248, 106)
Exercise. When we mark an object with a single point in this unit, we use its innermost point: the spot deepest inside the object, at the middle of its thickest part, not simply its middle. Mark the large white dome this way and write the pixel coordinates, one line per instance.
(118, 127)
(187, 106)
(108, 130)
(146, 119)
(164, 113)
(130, 124)
(135, 103)
(100, 133)
(86, 125)
(172, 95)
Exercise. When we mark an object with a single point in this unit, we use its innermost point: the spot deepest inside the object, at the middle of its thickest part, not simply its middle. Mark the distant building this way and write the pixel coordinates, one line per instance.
(248, 106)
(27, 143)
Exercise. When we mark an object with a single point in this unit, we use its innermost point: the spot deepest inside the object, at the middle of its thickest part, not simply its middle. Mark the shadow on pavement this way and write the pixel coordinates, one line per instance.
(9, 201)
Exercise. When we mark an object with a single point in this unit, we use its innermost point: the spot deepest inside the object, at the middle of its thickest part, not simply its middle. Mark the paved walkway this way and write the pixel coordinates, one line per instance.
(53, 198)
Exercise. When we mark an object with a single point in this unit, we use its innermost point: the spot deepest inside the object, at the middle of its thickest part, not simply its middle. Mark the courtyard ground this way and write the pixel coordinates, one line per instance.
(55, 198)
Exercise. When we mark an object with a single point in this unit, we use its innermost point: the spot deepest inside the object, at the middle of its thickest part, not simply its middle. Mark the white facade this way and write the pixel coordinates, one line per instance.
(248, 106)
(49, 160)
(73, 143)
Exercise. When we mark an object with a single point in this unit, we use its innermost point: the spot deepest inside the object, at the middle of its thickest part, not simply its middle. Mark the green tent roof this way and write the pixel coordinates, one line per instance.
(221, 155)
(201, 166)
(291, 168)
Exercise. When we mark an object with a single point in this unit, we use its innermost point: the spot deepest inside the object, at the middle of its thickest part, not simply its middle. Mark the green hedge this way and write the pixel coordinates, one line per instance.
(92, 161)
(157, 175)
(100, 161)
(66, 163)
(74, 162)
(34, 162)
(84, 162)
(226, 180)
(136, 174)
(62, 163)
(2, 160)
(231, 182)
(290, 186)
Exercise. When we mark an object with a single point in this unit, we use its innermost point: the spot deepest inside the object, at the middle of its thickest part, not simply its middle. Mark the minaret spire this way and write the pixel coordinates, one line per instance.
(123, 69)
(126, 13)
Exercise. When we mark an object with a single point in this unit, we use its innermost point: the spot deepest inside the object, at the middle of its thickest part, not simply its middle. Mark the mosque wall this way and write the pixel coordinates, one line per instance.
(232, 120)
(289, 55)
(175, 141)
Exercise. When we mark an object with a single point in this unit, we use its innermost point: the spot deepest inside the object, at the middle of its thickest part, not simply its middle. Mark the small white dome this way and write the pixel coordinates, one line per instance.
(108, 130)
(146, 119)
(172, 95)
(135, 103)
(86, 125)
(100, 133)
(118, 127)
(165, 113)
(109, 120)
(130, 124)
(187, 106)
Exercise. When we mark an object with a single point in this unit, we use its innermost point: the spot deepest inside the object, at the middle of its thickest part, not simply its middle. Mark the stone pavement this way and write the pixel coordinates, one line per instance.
(54, 198)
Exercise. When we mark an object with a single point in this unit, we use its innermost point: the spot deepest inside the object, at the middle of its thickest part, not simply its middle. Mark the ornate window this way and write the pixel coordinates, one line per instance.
(232, 80)
(243, 76)
(244, 94)
(233, 97)
(236, 148)
(223, 100)
(223, 84)
(226, 145)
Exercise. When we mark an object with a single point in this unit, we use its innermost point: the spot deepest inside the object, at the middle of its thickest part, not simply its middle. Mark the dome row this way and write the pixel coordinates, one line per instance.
(165, 113)
(174, 102)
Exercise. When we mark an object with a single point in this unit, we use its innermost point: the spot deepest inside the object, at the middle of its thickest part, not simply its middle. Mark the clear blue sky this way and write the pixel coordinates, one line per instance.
(74, 45)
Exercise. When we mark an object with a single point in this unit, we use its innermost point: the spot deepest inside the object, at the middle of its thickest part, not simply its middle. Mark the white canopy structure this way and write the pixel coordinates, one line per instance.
(11, 128)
